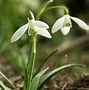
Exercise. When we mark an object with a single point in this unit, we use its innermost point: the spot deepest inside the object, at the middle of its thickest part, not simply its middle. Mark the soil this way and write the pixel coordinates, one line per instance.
(60, 82)
(69, 84)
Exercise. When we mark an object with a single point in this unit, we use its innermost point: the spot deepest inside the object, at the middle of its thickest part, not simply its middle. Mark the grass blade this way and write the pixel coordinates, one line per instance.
(45, 60)
(7, 80)
(3, 87)
(53, 72)
(35, 80)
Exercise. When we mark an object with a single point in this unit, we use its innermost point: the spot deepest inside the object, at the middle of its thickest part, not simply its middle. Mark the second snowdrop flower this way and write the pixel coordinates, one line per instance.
(64, 24)
(33, 27)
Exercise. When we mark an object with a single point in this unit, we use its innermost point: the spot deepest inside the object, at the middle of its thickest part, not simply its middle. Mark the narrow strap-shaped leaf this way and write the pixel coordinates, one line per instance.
(25, 79)
(35, 80)
(45, 60)
(3, 87)
(53, 72)
(31, 63)
(42, 9)
(7, 80)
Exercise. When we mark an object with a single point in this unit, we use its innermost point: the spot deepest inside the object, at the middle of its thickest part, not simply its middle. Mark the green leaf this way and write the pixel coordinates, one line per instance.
(7, 80)
(45, 60)
(35, 80)
(42, 9)
(3, 87)
(25, 79)
(31, 63)
(55, 71)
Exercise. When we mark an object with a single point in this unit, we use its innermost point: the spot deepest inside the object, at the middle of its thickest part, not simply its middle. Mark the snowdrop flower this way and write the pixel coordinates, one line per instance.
(64, 24)
(33, 27)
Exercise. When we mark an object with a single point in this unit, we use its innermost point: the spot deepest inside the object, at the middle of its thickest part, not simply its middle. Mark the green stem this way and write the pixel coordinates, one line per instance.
(30, 65)
(42, 9)
(66, 11)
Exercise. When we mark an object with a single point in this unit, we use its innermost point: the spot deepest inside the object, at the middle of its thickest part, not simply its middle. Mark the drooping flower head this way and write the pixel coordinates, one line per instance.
(33, 27)
(64, 24)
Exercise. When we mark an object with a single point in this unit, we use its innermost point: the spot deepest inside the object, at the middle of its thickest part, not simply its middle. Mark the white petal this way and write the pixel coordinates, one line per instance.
(58, 24)
(65, 30)
(81, 23)
(19, 33)
(40, 24)
(67, 21)
(44, 32)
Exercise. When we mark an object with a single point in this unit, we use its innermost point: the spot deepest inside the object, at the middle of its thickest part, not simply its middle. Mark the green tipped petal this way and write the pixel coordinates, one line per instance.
(65, 30)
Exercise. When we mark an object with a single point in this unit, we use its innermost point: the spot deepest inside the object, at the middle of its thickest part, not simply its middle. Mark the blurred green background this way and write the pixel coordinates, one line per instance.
(14, 13)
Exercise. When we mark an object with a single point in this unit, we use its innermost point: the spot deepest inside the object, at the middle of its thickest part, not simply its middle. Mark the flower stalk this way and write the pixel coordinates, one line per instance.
(66, 11)
(31, 61)
(30, 64)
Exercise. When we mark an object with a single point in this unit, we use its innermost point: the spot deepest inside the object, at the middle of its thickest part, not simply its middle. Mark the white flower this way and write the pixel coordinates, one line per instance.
(64, 24)
(37, 27)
